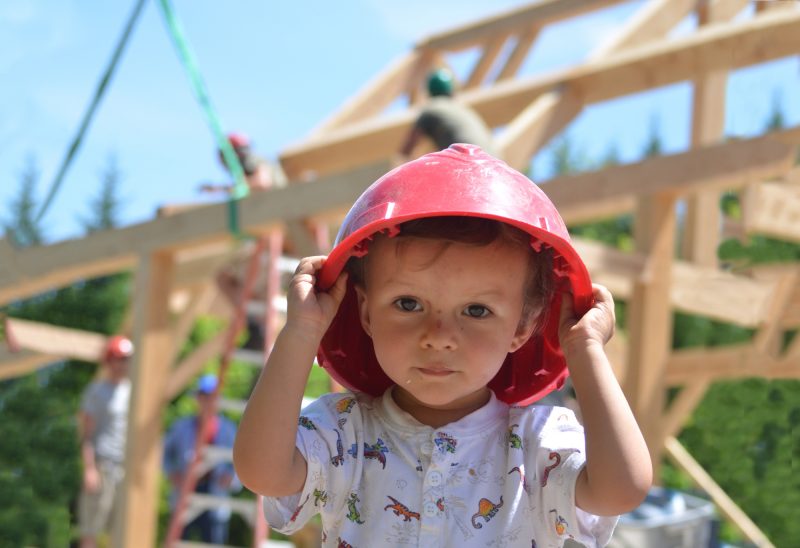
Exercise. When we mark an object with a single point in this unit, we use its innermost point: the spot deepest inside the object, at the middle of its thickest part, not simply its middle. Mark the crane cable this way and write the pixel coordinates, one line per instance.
(240, 188)
(89, 114)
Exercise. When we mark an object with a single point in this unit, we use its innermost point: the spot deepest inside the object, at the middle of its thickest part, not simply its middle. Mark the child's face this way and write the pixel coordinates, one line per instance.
(442, 320)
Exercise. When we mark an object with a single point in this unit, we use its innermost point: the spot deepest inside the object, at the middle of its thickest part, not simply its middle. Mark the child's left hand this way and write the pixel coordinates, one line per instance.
(597, 325)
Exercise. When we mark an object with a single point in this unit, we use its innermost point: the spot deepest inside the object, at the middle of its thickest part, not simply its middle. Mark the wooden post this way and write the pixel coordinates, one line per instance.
(153, 337)
(650, 318)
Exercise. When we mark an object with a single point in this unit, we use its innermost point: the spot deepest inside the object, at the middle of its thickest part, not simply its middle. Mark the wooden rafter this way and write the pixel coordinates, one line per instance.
(37, 269)
(767, 37)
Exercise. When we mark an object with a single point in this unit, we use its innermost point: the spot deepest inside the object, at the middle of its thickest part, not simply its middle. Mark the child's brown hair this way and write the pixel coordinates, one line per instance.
(477, 231)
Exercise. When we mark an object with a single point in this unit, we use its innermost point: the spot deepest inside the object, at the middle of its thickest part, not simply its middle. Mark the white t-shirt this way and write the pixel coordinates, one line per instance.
(501, 476)
(107, 403)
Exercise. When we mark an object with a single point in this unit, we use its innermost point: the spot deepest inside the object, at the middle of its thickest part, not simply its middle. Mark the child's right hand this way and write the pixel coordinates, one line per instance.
(309, 309)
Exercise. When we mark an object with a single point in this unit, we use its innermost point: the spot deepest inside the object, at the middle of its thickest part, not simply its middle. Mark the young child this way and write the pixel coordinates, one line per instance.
(462, 303)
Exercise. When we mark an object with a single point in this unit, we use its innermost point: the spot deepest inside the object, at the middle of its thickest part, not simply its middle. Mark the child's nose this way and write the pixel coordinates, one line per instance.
(439, 334)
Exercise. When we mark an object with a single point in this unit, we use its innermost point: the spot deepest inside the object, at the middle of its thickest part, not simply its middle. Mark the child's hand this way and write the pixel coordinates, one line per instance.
(597, 325)
(308, 309)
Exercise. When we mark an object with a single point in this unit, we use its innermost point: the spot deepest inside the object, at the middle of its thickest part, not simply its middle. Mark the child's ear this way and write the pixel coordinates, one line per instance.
(363, 313)
(524, 331)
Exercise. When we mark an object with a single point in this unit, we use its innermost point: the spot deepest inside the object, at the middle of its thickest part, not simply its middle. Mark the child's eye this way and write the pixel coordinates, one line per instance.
(476, 311)
(407, 304)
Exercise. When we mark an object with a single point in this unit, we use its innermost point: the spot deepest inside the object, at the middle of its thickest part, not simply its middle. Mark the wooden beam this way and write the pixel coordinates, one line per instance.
(536, 125)
(56, 341)
(376, 95)
(653, 20)
(650, 318)
(525, 40)
(684, 405)
(728, 165)
(668, 61)
(491, 50)
(773, 209)
(769, 337)
(540, 13)
(702, 218)
(681, 457)
(551, 112)
(704, 291)
(183, 373)
(17, 364)
(43, 268)
(154, 340)
(730, 362)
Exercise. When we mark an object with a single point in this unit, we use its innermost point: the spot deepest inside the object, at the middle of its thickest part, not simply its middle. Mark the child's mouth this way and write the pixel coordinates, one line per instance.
(435, 371)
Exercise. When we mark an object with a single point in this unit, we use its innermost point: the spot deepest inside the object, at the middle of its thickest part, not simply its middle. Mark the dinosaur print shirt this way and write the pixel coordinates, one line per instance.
(501, 476)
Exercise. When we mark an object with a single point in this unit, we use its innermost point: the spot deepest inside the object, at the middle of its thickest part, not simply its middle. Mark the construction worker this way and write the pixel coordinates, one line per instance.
(446, 121)
(103, 425)
(258, 173)
(179, 448)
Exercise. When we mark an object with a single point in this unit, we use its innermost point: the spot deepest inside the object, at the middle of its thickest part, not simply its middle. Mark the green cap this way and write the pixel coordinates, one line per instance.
(440, 82)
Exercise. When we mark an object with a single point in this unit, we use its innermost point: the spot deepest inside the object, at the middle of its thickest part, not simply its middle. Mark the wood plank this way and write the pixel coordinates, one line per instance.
(43, 268)
(681, 457)
(730, 362)
(183, 373)
(653, 20)
(490, 52)
(702, 219)
(56, 341)
(545, 118)
(375, 96)
(550, 113)
(767, 37)
(773, 209)
(684, 405)
(525, 40)
(650, 319)
(153, 337)
(727, 165)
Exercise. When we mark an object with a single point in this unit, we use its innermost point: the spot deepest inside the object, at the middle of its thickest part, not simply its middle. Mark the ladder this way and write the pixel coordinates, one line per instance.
(191, 504)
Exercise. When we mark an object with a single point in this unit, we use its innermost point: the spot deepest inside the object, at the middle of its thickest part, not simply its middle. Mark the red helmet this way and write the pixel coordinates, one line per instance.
(459, 181)
(238, 140)
(118, 347)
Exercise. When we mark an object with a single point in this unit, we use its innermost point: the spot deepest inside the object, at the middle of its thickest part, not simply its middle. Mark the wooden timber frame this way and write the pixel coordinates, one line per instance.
(175, 257)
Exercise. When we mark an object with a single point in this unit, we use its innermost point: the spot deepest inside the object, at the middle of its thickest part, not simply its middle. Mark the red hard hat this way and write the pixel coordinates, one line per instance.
(238, 140)
(459, 181)
(118, 347)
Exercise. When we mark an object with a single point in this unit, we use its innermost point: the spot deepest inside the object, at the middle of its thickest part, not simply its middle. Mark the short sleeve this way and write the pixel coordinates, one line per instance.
(560, 457)
(328, 430)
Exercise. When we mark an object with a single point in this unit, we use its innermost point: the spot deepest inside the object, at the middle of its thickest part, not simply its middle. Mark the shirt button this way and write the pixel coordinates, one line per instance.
(435, 479)
(430, 509)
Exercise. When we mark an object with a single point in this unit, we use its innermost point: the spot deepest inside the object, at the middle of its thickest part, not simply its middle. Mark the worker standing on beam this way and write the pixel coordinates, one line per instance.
(446, 121)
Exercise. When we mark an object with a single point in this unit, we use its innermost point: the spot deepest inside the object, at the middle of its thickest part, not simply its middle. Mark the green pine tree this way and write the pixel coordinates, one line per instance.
(23, 228)
(39, 457)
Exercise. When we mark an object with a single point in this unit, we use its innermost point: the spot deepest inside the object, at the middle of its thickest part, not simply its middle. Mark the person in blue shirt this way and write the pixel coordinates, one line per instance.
(179, 445)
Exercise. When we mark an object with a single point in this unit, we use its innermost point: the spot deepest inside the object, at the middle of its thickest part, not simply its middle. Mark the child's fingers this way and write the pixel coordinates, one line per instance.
(337, 291)
(567, 307)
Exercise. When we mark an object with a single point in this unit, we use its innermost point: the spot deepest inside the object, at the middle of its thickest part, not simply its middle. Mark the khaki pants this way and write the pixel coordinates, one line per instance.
(98, 511)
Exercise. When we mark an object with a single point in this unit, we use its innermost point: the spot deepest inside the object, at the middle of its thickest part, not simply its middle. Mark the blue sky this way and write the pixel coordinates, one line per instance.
(274, 70)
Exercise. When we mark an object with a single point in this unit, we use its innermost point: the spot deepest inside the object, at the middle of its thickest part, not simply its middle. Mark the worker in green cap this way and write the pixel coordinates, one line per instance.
(445, 120)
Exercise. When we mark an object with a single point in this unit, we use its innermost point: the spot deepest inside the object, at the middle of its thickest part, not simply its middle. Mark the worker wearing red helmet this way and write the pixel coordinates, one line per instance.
(452, 301)
(258, 173)
(103, 424)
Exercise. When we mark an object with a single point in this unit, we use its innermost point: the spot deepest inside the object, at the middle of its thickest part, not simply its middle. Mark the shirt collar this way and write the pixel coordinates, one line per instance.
(479, 421)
